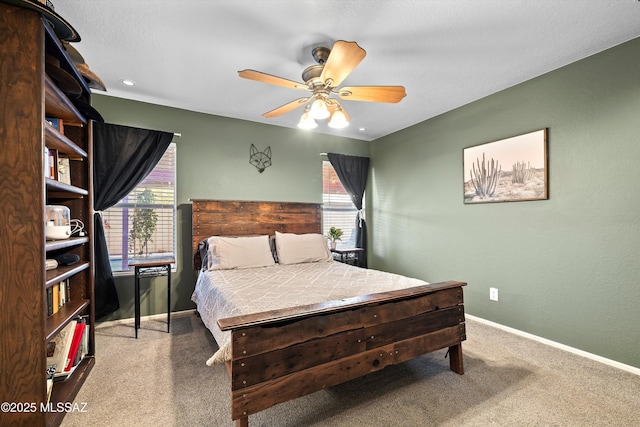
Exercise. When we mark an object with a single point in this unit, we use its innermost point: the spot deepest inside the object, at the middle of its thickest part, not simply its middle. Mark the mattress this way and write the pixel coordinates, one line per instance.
(226, 293)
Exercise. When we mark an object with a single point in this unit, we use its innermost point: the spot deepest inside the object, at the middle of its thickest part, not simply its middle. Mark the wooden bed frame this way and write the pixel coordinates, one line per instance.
(283, 354)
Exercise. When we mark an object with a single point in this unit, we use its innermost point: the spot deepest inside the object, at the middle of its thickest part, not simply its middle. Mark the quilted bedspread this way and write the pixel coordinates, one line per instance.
(227, 293)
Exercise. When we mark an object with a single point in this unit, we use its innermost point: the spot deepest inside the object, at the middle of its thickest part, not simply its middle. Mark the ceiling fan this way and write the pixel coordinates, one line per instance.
(322, 80)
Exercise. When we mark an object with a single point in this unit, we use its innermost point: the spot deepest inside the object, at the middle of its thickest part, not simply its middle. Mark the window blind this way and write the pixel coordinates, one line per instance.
(337, 208)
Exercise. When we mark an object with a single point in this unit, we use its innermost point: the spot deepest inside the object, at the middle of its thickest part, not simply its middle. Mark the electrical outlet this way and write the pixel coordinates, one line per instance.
(493, 294)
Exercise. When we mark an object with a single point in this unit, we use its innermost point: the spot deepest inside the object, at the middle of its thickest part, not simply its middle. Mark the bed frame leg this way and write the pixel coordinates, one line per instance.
(242, 422)
(455, 359)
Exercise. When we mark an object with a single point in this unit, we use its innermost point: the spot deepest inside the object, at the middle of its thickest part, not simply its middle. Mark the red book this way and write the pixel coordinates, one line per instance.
(75, 344)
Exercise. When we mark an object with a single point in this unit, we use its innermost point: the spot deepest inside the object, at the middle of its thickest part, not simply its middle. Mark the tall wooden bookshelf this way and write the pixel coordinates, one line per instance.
(27, 96)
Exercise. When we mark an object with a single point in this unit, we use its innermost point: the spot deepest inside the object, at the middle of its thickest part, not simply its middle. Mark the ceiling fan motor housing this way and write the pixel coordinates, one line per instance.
(312, 72)
(320, 54)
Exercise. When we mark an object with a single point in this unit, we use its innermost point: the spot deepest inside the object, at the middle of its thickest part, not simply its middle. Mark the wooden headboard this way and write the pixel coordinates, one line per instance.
(246, 218)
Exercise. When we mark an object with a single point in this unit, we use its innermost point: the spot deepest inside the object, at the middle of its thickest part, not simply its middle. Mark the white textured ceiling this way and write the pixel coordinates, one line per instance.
(446, 53)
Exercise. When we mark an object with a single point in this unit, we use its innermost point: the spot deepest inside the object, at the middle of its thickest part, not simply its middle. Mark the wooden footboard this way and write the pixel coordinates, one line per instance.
(283, 354)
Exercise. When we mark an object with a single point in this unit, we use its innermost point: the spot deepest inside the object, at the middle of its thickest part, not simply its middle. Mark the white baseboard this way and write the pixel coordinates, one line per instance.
(161, 316)
(582, 353)
(615, 364)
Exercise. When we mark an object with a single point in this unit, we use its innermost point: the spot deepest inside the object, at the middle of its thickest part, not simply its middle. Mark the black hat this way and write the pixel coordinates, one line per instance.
(86, 109)
(62, 28)
(65, 81)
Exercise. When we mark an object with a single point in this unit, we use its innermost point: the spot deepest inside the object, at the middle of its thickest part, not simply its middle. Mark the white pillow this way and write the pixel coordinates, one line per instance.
(299, 248)
(227, 253)
(212, 258)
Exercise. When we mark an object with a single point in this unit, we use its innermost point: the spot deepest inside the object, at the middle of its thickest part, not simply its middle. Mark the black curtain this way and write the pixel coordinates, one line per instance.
(352, 172)
(123, 156)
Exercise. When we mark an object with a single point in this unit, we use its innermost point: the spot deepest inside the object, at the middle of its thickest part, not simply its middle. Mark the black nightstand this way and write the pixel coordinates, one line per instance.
(348, 256)
(150, 268)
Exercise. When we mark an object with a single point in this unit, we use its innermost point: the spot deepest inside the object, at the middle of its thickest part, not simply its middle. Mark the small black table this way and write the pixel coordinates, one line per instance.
(348, 256)
(151, 267)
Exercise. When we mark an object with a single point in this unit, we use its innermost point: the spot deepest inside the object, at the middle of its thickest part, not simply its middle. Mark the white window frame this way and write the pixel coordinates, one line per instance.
(124, 209)
(337, 208)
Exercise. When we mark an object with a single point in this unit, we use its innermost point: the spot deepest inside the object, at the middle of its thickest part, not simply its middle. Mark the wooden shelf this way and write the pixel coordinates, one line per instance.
(54, 245)
(60, 190)
(57, 141)
(66, 391)
(61, 273)
(29, 96)
(65, 314)
(58, 105)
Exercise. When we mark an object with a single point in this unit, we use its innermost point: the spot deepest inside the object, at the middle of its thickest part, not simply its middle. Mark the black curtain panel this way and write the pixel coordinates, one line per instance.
(352, 172)
(123, 156)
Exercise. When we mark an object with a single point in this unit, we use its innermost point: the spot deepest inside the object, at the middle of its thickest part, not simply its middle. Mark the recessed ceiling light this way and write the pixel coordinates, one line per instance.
(361, 129)
(128, 82)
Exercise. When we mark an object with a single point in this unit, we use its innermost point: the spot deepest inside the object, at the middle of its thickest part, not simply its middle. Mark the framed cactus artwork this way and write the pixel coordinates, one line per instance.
(509, 170)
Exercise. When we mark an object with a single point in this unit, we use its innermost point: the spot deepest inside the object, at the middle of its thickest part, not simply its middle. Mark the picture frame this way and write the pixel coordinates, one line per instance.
(64, 170)
(513, 169)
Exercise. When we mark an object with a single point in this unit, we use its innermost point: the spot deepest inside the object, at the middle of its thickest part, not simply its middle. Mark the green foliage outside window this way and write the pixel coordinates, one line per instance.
(144, 224)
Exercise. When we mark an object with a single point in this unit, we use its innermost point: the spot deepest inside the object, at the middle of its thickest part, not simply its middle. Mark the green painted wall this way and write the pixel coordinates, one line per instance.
(568, 268)
(213, 163)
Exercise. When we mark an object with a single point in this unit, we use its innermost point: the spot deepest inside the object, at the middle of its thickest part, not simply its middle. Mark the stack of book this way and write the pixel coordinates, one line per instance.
(56, 164)
(57, 296)
(67, 349)
(56, 123)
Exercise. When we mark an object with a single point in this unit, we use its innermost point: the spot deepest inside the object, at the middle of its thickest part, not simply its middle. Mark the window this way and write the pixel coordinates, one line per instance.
(143, 223)
(337, 208)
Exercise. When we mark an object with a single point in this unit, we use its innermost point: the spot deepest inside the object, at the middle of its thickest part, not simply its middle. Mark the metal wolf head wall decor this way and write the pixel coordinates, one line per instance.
(260, 159)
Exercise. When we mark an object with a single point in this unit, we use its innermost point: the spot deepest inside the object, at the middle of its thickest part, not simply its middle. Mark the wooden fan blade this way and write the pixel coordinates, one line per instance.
(286, 108)
(343, 59)
(390, 94)
(268, 78)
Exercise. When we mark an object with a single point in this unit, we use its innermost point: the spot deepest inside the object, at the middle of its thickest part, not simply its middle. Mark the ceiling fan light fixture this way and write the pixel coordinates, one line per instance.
(319, 110)
(322, 80)
(306, 121)
(338, 120)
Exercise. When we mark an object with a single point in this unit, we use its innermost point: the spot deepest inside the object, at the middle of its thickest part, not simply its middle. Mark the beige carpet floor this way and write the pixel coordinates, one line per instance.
(161, 379)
